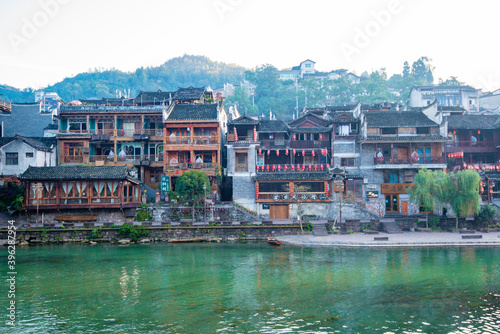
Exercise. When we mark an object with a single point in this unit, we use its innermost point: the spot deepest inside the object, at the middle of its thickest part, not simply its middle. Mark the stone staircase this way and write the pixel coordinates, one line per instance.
(390, 226)
(319, 229)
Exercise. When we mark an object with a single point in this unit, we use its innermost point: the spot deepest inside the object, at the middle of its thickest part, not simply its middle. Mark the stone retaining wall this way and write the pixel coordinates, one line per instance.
(157, 234)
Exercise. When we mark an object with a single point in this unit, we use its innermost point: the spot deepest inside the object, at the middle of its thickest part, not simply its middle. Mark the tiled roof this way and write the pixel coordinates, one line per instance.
(312, 130)
(244, 120)
(186, 112)
(6, 140)
(75, 173)
(294, 176)
(437, 87)
(336, 116)
(154, 96)
(189, 93)
(110, 109)
(273, 126)
(471, 122)
(390, 119)
(51, 126)
(406, 138)
(40, 143)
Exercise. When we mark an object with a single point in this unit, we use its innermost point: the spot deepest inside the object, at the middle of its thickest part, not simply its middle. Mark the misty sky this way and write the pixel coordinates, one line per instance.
(44, 41)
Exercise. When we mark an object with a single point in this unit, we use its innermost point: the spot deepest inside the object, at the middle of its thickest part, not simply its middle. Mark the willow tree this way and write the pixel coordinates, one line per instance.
(426, 190)
(462, 190)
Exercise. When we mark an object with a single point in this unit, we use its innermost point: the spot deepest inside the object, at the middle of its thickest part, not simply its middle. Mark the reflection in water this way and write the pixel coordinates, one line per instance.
(250, 288)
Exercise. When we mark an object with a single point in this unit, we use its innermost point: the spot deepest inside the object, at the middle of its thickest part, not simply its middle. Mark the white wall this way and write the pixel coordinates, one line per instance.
(40, 158)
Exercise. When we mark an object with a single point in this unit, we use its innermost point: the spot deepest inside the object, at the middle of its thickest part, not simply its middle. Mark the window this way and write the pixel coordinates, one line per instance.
(11, 159)
(241, 162)
(29, 154)
(309, 187)
(389, 131)
(77, 125)
(74, 192)
(274, 187)
(391, 177)
(308, 65)
(355, 187)
(423, 131)
(155, 175)
(347, 162)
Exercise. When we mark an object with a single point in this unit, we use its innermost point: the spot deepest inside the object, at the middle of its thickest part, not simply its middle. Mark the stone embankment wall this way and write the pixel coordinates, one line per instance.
(157, 234)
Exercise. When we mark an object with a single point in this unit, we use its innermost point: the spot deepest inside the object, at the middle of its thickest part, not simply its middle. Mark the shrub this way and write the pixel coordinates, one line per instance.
(485, 215)
(143, 214)
(132, 232)
(434, 221)
(308, 226)
(96, 233)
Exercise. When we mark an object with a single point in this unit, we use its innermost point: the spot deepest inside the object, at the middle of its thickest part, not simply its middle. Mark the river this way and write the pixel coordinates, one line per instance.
(252, 288)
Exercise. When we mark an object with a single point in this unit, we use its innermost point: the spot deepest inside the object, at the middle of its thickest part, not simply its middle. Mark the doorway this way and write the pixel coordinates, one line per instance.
(391, 203)
(278, 211)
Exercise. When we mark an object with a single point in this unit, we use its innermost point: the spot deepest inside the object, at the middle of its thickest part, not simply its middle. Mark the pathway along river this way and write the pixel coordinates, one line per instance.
(253, 288)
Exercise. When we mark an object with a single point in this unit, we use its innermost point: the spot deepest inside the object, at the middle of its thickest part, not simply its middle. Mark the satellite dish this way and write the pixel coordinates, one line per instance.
(473, 140)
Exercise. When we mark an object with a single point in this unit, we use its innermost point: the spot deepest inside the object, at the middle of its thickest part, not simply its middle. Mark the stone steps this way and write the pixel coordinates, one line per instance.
(390, 226)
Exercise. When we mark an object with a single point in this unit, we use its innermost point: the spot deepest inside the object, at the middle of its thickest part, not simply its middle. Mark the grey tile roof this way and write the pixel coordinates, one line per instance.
(6, 140)
(91, 109)
(390, 119)
(244, 120)
(186, 112)
(273, 126)
(342, 116)
(52, 126)
(406, 138)
(40, 143)
(75, 173)
(25, 120)
(189, 93)
(471, 122)
(159, 95)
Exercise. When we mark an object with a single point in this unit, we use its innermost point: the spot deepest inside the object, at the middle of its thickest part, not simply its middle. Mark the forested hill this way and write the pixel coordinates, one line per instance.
(182, 71)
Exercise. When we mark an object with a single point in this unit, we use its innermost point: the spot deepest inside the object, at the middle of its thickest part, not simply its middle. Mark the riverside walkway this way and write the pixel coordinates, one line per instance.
(405, 239)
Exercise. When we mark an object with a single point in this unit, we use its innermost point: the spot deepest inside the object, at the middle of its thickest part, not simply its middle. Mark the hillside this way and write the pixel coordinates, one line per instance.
(177, 72)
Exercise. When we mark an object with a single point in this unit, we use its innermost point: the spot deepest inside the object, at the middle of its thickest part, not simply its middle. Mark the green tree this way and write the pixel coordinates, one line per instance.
(485, 215)
(422, 69)
(423, 190)
(462, 189)
(451, 81)
(189, 186)
(241, 100)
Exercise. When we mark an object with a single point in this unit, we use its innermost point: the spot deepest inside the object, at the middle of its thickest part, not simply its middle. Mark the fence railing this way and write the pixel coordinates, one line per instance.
(408, 161)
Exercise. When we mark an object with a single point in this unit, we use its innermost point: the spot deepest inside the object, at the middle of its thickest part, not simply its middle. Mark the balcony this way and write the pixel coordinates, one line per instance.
(180, 168)
(470, 146)
(305, 144)
(296, 197)
(308, 168)
(74, 159)
(408, 162)
(176, 143)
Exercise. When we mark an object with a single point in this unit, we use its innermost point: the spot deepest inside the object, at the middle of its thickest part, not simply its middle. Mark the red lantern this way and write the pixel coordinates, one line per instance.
(279, 168)
(257, 167)
(478, 132)
(454, 132)
(267, 168)
(320, 137)
(328, 166)
(268, 152)
(315, 167)
(310, 167)
(294, 151)
(294, 137)
(274, 168)
(298, 167)
(278, 153)
(286, 151)
(303, 167)
(303, 152)
(285, 168)
(293, 167)
(257, 190)
(313, 153)
(321, 166)
(262, 168)
(260, 151)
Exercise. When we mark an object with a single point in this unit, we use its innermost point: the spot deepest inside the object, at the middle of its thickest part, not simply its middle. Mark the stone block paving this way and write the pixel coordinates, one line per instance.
(405, 239)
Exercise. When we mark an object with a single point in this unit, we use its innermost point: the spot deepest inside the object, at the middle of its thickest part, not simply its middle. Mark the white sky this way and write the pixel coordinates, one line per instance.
(73, 36)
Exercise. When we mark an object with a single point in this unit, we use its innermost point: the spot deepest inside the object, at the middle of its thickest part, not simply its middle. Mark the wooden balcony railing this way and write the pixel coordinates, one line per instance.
(309, 144)
(74, 158)
(308, 168)
(409, 161)
(196, 140)
(470, 143)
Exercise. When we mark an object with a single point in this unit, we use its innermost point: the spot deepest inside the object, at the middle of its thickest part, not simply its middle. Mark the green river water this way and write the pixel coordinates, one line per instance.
(252, 288)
